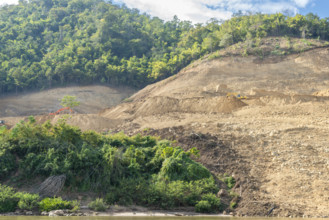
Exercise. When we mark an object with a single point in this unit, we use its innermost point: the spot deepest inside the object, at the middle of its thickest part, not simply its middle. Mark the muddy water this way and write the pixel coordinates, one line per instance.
(132, 218)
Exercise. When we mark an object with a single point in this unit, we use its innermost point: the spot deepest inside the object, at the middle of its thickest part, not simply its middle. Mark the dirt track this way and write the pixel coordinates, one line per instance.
(275, 142)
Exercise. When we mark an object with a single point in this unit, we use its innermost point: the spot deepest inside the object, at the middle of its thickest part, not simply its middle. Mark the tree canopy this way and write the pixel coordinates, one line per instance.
(47, 43)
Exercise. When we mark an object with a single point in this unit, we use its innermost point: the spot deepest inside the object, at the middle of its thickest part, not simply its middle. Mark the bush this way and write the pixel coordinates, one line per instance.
(230, 182)
(203, 207)
(178, 165)
(179, 193)
(128, 191)
(7, 163)
(27, 201)
(98, 205)
(76, 205)
(213, 201)
(49, 204)
(8, 199)
(209, 203)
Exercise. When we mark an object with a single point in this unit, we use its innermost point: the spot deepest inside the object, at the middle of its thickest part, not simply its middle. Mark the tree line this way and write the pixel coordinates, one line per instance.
(48, 43)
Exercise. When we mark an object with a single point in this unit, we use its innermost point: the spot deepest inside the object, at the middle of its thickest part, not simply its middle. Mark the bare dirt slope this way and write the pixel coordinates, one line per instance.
(275, 142)
(92, 99)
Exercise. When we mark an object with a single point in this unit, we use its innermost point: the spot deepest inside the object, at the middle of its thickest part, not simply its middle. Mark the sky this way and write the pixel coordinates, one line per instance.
(201, 11)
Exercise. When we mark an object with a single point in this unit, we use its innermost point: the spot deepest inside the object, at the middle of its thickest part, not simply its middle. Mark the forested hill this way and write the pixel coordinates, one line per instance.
(46, 43)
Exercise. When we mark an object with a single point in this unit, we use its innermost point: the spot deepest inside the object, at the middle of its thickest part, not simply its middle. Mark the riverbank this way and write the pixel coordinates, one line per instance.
(119, 211)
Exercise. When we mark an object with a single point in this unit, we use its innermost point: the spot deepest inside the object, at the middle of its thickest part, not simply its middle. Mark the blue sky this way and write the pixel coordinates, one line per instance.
(200, 11)
(319, 7)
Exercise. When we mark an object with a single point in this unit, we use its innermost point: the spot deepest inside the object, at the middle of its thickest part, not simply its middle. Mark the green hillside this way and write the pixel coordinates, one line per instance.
(47, 43)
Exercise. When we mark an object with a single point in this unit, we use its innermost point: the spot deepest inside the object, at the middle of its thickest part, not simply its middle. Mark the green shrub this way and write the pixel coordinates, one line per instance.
(7, 163)
(230, 182)
(27, 201)
(179, 193)
(213, 200)
(76, 205)
(49, 204)
(233, 205)
(179, 166)
(8, 199)
(98, 205)
(203, 207)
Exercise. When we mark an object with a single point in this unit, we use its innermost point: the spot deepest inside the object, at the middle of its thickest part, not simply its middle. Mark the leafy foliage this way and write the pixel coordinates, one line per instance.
(213, 200)
(203, 206)
(49, 204)
(69, 101)
(97, 205)
(209, 203)
(54, 43)
(233, 205)
(7, 163)
(28, 201)
(230, 181)
(129, 170)
(8, 199)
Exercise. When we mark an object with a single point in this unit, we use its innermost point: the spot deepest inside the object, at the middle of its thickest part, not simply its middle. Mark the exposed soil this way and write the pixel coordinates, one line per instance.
(92, 100)
(275, 142)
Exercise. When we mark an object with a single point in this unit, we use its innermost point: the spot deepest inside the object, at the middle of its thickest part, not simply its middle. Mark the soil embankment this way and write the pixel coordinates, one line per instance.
(274, 142)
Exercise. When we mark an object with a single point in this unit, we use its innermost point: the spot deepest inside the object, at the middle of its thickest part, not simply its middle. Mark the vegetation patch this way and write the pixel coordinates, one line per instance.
(128, 170)
(98, 205)
(49, 204)
(28, 201)
(10, 200)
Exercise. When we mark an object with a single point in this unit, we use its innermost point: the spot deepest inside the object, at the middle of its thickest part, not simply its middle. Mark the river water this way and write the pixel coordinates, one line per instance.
(133, 218)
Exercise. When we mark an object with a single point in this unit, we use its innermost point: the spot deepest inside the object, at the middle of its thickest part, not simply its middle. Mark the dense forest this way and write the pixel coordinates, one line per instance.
(47, 43)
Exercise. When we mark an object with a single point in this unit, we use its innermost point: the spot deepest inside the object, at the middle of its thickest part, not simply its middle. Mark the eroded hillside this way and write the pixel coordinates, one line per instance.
(274, 142)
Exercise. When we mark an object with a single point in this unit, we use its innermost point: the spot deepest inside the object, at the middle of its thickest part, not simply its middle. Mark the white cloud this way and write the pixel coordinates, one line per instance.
(8, 2)
(302, 3)
(200, 11)
(194, 10)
